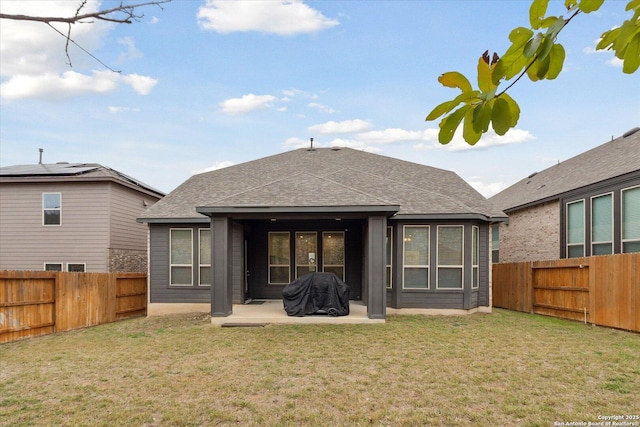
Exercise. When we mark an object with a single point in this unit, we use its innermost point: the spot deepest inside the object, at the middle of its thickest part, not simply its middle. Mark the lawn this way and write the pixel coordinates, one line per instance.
(504, 368)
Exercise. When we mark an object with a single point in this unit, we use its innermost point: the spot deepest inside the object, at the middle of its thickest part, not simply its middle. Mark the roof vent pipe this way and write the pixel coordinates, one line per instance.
(41, 151)
(311, 141)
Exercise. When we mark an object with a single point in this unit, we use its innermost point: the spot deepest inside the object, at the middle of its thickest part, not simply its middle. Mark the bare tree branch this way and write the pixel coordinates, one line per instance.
(123, 14)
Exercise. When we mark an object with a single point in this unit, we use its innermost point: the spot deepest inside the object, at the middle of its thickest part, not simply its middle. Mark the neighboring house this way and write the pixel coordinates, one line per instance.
(399, 234)
(72, 217)
(587, 205)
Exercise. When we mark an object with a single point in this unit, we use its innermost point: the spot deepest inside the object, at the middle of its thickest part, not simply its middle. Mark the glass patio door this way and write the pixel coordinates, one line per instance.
(306, 252)
(333, 253)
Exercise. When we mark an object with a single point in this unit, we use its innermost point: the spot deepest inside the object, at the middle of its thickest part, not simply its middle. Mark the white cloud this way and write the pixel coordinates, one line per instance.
(140, 84)
(34, 62)
(393, 135)
(320, 107)
(277, 17)
(487, 189)
(490, 139)
(247, 103)
(346, 126)
(52, 86)
(215, 166)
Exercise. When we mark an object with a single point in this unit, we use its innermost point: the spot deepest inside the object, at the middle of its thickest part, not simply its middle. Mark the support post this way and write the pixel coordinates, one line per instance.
(221, 288)
(376, 294)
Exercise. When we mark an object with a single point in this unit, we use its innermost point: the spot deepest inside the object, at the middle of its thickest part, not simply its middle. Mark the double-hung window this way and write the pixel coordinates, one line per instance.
(495, 243)
(602, 224)
(575, 229)
(51, 208)
(415, 273)
(181, 269)
(204, 257)
(279, 258)
(631, 220)
(450, 256)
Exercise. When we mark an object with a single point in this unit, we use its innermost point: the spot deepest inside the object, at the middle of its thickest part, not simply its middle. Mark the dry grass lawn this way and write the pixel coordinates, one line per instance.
(504, 368)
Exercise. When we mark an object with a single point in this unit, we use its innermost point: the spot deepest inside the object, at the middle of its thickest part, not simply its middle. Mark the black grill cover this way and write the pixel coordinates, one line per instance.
(316, 293)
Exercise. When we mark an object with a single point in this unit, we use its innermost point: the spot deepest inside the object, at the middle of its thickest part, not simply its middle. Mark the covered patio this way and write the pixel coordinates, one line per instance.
(264, 312)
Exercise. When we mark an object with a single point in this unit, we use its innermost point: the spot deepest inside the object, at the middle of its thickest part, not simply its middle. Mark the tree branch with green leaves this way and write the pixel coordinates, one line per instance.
(535, 53)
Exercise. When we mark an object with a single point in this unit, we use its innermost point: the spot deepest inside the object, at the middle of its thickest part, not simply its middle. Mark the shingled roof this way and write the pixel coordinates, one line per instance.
(618, 157)
(65, 172)
(330, 178)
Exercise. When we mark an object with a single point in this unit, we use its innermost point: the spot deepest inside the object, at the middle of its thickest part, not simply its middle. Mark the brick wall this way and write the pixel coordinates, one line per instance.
(533, 234)
(125, 260)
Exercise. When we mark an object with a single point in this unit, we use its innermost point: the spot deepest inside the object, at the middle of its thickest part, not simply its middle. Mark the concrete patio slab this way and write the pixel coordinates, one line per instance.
(272, 312)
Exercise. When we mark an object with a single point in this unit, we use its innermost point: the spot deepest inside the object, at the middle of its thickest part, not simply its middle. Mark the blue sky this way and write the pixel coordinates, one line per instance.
(207, 84)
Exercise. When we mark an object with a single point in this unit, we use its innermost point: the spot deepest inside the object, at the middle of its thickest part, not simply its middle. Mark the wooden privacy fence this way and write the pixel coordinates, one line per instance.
(603, 290)
(42, 302)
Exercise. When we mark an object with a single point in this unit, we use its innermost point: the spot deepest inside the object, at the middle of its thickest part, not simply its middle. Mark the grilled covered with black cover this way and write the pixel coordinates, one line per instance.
(316, 293)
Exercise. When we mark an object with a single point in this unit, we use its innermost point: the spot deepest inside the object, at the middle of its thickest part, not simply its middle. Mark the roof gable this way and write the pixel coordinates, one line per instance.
(610, 160)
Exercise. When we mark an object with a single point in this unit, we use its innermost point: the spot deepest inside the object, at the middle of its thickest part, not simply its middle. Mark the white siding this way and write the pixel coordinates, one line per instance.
(82, 238)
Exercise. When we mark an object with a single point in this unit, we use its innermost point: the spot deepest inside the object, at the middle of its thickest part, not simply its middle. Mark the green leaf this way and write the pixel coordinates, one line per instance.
(555, 27)
(538, 70)
(632, 55)
(469, 133)
(633, 4)
(537, 11)
(501, 116)
(607, 39)
(588, 6)
(482, 116)
(514, 109)
(531, 47)
(449, 124)
(570, 4)
(556, 58)
(455, 79)
(545, 48)
(512, 62)
(441, 109)
(549, 21)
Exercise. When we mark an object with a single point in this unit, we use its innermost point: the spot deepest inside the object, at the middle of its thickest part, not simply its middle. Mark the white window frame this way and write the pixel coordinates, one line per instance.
(622, 231)
(84, 267)
(389, 262)
(52, 209)
(475, 257)
(200, 264)
(451, 267)
(171, 265)
(584, 231)
(405, 265)
(344, 254)
(53, 263)
(593, 242)
(278, 265)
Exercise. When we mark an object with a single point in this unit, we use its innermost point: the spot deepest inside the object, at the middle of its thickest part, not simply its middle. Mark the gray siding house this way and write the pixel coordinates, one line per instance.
(586, 205)
(72, 217)
(400, 234)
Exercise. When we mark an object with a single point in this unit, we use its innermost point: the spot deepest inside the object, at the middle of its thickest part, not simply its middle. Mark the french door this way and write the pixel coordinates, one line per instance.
(306, 253)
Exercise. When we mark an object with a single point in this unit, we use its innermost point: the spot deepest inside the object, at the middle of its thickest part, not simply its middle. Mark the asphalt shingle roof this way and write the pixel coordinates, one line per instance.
(325, 177)
(70, 172)
(612, 159)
